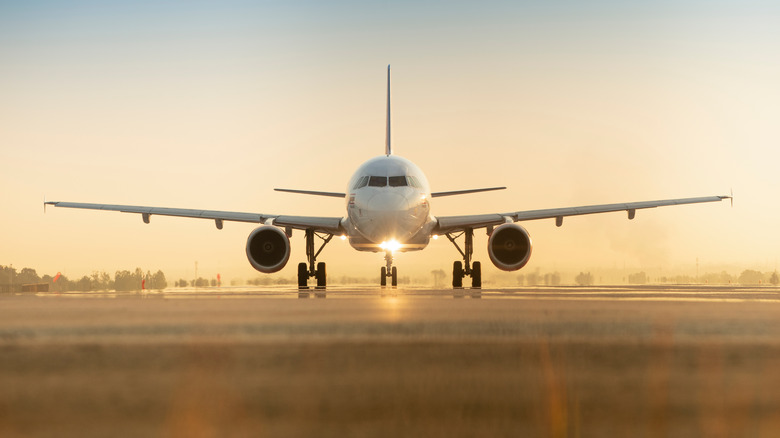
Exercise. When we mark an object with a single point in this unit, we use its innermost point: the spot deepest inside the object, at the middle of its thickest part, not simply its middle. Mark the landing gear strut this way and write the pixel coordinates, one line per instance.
(388, 271)
(306, 270)
(466, 268)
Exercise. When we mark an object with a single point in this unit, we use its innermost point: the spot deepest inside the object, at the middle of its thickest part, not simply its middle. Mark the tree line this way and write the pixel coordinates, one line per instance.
(124, 280)
(746, 277)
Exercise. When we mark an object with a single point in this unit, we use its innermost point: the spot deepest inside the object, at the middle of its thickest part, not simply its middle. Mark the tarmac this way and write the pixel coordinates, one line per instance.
(369, 361)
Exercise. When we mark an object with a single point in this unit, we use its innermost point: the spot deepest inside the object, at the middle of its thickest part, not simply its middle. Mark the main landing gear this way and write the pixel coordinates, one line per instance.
(473, 270)
(388, 271)
(306, 270)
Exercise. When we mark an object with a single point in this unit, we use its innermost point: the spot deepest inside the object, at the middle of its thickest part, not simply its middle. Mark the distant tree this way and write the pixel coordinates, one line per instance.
(158, 281)
(749, 276)
(717, 278)
(105, 281)
(552, 279)
(84, 284)
(438, 277)
(7, 275)
(28, 276)
(123, 281)
(101, 281)
(532, 278)
(127, 281)
(213, 282)
(774, 279)
(521, 280)
(637, 278)
(584, 279)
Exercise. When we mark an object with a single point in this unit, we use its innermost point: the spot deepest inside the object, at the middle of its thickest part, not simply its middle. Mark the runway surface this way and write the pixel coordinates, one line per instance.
(609, 361)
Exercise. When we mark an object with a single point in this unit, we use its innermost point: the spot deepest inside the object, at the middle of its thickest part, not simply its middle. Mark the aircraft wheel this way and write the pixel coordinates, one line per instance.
(394, 277)
(476, 275)
(321, 276)
(457, 275)
(303, 276)
(383, 277)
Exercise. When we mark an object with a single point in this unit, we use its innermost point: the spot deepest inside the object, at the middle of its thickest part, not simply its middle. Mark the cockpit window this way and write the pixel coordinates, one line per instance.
(413, 182)
(377, 181)
(362, 182)
(397, 181)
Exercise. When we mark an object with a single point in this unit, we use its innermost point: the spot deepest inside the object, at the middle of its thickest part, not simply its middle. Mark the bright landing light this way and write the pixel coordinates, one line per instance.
(392, 245)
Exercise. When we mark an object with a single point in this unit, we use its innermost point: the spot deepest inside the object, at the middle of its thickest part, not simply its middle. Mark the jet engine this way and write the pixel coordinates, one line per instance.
(268, 249)
(509, 247)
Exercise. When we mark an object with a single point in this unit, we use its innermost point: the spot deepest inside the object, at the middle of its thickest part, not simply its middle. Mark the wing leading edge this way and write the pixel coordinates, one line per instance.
(330, 225)
(448, 224)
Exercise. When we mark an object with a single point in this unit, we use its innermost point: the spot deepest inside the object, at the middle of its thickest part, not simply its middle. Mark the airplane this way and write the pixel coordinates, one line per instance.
(388, 209)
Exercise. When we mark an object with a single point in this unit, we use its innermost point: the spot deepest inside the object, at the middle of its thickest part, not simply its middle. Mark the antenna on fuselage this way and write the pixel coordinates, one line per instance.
(388, 147)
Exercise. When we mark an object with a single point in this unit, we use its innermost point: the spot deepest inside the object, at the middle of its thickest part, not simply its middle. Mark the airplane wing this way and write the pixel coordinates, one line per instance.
(464, 192)
(330, 225)
(313, 192)
(450, 224)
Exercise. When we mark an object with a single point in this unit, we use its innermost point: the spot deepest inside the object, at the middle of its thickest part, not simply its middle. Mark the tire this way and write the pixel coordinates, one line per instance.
(383, 277)
(457, 275)
(303, 276)
(321, 276)
(394, 277)
(476, 275)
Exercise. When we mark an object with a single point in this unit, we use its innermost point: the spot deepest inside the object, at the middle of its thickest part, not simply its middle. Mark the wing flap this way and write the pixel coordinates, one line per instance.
(448, 224)
(330, 225)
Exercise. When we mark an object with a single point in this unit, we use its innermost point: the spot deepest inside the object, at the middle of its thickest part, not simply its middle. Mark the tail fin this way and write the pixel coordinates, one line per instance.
(388, 147)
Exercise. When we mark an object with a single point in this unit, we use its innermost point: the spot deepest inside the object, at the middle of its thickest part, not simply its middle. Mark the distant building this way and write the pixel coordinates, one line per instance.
(36, 287)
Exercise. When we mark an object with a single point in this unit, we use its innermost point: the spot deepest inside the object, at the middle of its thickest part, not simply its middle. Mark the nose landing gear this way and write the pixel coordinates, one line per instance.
(458, 269)
(388, 271)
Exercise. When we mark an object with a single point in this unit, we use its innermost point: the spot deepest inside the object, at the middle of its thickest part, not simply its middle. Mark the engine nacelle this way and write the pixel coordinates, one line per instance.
(509, 247)
(268, 249)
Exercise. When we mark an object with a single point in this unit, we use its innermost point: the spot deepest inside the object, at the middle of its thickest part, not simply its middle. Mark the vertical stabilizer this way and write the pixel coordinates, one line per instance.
(388, 147)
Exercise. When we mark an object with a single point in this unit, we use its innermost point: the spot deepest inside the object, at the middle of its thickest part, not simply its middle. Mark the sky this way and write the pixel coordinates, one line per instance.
(213, 104)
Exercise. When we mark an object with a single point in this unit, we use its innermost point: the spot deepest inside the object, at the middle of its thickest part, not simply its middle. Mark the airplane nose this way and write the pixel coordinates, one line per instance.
(387, 215)
(389, 201)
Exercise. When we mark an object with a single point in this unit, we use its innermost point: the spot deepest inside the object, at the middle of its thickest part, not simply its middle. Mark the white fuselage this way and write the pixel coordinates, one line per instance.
(388, 206)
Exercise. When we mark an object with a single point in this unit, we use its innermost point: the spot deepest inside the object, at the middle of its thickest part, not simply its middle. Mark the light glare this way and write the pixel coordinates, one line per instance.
(392, 245)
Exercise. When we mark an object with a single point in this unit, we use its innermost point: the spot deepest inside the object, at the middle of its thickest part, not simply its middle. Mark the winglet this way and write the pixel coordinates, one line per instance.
(730, 197)
(388, 147)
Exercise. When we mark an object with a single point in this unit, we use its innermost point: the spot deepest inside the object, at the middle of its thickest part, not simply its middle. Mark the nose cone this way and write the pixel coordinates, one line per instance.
(388, 201)
(387, 215)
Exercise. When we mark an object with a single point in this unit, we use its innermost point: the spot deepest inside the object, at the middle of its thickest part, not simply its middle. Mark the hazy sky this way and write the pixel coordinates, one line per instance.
(213, 104)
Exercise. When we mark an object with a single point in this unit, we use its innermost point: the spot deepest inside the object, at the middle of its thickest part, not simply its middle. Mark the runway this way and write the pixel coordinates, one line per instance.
(365, 361)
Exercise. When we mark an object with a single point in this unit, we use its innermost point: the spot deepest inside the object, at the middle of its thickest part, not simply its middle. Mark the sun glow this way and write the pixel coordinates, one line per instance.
(391, 245)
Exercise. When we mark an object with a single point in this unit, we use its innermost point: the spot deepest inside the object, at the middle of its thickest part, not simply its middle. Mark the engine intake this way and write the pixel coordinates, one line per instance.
(509, 247)
(268, 249)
